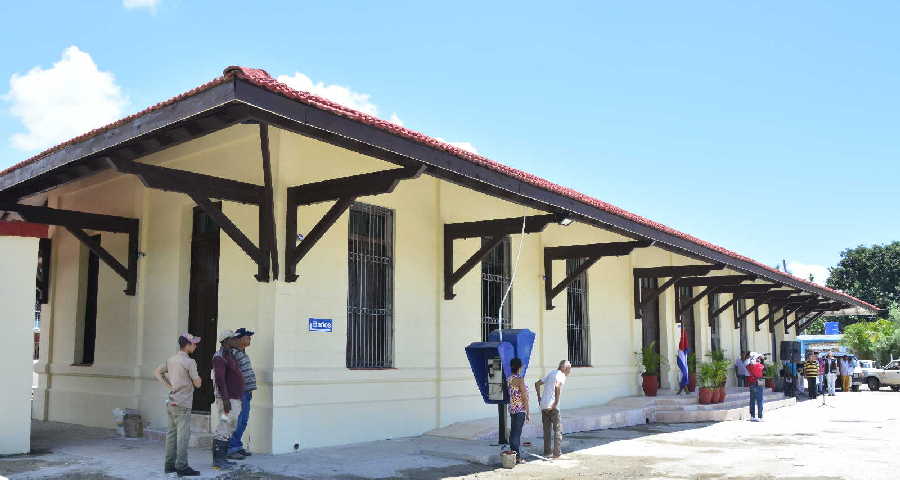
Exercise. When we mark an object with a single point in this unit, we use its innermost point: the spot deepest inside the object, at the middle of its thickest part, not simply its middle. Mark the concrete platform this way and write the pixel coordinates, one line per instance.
(624, 412)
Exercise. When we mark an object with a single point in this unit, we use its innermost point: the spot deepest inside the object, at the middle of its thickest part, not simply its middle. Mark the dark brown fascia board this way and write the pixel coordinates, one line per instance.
(311, 121)
(147, 123)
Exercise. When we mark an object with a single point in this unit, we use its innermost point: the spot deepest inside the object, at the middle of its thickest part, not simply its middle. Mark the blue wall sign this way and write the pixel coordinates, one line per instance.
(321, 325)
(832, 328)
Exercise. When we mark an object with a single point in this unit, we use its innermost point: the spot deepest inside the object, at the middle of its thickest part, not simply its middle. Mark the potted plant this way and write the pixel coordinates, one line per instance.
(769, 373)
(650, 361)
(720, 365)
(692, 372)
(707, 376)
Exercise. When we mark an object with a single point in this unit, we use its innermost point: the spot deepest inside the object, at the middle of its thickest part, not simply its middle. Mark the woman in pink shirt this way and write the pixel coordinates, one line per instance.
(518, 407)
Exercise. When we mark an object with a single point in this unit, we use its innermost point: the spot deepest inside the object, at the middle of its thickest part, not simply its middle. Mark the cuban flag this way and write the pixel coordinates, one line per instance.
(682, 358)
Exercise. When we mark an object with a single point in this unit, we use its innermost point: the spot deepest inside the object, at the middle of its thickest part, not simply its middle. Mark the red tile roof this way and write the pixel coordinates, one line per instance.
(262, 79)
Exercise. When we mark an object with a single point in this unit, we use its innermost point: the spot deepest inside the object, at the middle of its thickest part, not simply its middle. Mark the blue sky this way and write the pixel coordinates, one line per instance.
(770, 128)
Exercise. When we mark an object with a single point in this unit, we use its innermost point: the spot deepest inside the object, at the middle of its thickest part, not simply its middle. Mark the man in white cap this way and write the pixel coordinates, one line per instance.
(179, 375)
(229, 387)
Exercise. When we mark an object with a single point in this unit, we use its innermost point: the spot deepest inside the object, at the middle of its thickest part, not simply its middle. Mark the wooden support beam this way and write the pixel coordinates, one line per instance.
(772, 312)
(690, 303)
(676, 271)
(722, 308)
(495, 231)
(182, 181)
(77, 222)
(344, 191)
(590, 253)
(255, 253)
(267, 209)
(720, 280)
(740, 318)
(746, 291)
(800, 328)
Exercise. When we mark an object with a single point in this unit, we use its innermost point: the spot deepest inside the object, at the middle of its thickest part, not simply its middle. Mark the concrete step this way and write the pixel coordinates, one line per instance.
(200, 423)
(730, 402)
(728, 412)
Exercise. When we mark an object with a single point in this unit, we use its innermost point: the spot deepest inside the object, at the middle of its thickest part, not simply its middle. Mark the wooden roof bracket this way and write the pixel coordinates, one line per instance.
(344, 191)
(494, 231)
(77, 222)
(202, 188)
(591, 253)
(674, 273)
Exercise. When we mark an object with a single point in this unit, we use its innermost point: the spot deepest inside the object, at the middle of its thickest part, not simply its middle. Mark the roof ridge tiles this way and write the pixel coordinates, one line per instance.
(263, 79)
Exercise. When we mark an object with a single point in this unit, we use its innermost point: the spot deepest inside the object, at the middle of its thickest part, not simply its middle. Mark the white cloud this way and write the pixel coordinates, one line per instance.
(336, 93)
(802, 270)
(395, 119)
(68, 99)
(463, 145)
(347, 97)
(133, 4)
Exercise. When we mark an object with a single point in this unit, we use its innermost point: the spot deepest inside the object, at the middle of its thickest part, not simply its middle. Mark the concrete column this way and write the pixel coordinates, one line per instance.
(18, 262)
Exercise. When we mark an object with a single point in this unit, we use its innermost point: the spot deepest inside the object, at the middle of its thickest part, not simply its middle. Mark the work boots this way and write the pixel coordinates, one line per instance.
(219, 453)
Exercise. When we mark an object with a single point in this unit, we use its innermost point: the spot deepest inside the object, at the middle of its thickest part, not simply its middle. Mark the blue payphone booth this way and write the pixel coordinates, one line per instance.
(490, 366)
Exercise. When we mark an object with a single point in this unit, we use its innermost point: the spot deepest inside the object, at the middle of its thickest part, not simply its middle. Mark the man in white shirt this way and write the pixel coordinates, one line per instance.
(549, 391)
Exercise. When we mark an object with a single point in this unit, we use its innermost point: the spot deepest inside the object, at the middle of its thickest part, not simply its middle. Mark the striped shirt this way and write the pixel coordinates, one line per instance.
(811, 368)
(243, 361)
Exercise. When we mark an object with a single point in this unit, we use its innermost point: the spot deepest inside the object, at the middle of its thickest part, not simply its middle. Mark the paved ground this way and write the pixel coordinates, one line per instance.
(855, 440)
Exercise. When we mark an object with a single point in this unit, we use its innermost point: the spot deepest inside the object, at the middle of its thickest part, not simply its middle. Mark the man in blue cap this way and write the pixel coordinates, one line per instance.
(242, 338)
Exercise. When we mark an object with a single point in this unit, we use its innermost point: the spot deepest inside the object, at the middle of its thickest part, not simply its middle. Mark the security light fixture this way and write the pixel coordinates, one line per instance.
(566, 221)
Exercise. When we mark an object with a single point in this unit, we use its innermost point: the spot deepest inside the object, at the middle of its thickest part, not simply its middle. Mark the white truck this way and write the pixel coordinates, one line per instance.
(875, 378)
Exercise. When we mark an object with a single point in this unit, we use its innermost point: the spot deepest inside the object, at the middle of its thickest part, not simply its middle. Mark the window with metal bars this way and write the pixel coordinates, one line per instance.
(715, 341)
(578, 327)
(370, 323)
(495, 278)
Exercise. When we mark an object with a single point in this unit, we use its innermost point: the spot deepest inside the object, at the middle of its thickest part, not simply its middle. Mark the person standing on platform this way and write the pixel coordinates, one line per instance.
(519, 411)
(755, 374)
(229, 387)
(831, 372)
(846, 371)
(811, 372)
(551, 387)
(180, 377)
(242, 338)
(740, 369)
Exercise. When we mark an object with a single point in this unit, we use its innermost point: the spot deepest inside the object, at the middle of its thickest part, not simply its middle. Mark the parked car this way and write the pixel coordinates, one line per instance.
(875, 378)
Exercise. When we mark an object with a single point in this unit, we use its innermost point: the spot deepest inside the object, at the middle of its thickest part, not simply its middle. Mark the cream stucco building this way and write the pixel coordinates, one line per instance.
(373, 262)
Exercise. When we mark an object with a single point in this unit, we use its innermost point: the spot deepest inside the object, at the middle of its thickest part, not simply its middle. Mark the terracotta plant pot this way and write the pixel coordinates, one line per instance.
(692, 383)
(705, 395)
(722, 395)
(650, 385)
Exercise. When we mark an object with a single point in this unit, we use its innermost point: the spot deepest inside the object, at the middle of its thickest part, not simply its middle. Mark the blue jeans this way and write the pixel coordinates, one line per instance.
(235, 444)
(517, 421)
(756, 401)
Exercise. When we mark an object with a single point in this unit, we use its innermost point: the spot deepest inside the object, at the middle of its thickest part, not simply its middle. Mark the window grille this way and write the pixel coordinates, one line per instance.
(578, 326)
(370, 325)
(715, 342)
(495, 278)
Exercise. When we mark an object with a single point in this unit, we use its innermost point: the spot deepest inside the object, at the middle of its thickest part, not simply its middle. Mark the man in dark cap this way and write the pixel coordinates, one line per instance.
(229, 387)
(242, 338)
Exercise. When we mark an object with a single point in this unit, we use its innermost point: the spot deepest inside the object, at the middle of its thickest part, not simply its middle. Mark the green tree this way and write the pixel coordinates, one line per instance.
(869, 273)
(878, 340)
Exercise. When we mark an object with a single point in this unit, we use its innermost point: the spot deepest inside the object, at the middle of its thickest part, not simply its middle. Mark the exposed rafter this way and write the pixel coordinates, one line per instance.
(719, 280)
(345, 191)
(77, 222)
(590, 253)
(493, 231)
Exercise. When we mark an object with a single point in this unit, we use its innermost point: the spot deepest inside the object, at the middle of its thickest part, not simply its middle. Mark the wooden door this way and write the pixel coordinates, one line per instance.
(204, 301)
(650, 314)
